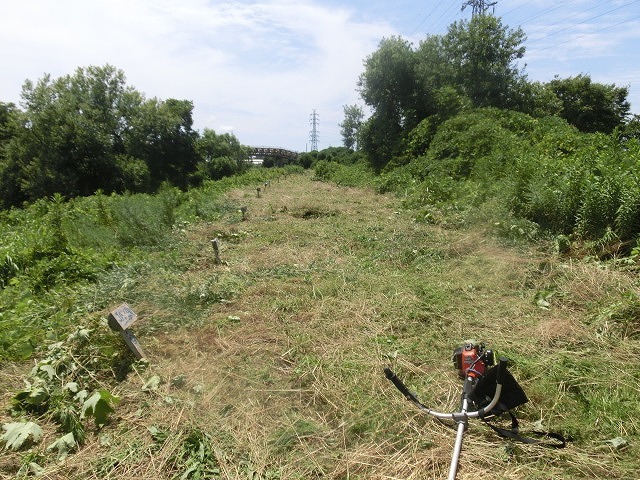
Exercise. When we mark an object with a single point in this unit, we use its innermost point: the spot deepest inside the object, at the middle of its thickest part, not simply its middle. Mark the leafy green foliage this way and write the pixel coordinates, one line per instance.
(142, 219)
(538, 170)
(63, 445)
(472, 65)
(592, 107)
(194, 458)
(475, 64)
(358, 174)
(221, 156)
(620, 319)
(20, 434)
(59, 383)
(482, 55)
(54, 250)
(350, 126)
(99, 406)
(89, 132)
(76, 126)
(163, 137)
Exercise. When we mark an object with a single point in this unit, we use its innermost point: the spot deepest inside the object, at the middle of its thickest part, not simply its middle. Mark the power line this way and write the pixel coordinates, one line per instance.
(584, 22)
(514, 9)
(562, 20)
(435, 23)
(543, 12)
(592, 32)
(425, 19)
(448, 11)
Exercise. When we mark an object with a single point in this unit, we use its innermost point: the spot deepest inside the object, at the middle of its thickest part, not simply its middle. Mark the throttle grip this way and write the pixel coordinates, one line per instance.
(398, 383)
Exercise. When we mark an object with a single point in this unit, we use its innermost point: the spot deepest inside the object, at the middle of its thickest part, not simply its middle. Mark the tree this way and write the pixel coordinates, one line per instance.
(219, 155)
(482, 54)
(381, 139)
(10, 176)
(88, 131)
(388, 82)
(73, 128)
(590, 106)
(350, 126)
(211, 145)
(473, 65)
(631, 129)
(388, 86)
(8, 123)
(534, 98)
(162, 135)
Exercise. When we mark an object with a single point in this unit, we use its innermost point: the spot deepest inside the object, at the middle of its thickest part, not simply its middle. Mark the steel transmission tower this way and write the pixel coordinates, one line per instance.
(313, 134)
(479, 7)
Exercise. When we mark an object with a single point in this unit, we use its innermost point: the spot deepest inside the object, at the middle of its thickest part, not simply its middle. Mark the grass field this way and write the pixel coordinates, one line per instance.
(270, 365)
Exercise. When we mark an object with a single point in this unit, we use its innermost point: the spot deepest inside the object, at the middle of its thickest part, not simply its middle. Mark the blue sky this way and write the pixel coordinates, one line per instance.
(259, 68)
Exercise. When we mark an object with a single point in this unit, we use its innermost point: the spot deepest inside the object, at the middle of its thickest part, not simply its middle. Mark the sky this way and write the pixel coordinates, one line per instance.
(260, 68)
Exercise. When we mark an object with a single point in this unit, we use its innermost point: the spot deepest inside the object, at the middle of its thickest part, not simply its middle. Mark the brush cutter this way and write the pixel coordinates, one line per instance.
(488, 390)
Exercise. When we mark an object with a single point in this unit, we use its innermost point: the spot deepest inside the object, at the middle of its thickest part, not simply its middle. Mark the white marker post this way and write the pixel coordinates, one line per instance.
(120, 320)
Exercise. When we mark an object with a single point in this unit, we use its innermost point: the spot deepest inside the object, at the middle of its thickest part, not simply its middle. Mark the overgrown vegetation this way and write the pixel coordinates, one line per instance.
(55, 252)
(270, 364)
(474, 65)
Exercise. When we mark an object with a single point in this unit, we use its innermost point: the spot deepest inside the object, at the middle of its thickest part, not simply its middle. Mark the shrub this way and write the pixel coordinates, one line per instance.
(324, 170)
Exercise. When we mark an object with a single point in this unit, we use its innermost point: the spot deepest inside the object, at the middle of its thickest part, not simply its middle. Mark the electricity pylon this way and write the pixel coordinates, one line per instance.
(313, 134)
(479, 7)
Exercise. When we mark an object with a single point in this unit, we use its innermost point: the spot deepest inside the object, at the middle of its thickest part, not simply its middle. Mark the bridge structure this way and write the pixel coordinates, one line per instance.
(271, 156)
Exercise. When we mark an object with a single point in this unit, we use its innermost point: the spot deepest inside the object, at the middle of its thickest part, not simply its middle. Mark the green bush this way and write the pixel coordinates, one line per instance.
(540, 170)
(479, 133)
(324, 170)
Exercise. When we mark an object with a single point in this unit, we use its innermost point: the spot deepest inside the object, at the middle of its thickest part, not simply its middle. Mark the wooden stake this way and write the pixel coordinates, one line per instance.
(215, 243)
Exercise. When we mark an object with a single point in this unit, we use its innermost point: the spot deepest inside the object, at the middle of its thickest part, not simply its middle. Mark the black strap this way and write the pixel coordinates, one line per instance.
(515, 435)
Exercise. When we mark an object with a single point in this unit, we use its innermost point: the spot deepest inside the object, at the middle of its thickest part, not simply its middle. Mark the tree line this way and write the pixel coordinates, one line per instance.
(411, 91)
(89, 132)
(459, 131)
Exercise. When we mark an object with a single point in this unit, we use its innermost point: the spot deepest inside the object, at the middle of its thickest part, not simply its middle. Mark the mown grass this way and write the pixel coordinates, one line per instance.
(271, 363)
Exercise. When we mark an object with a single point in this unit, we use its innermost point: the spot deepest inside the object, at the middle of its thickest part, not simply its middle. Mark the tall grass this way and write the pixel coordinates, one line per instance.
(539, 170)
(54, 249)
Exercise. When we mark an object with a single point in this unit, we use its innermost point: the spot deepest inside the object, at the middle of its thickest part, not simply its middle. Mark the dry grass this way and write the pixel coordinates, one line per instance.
(286, 377)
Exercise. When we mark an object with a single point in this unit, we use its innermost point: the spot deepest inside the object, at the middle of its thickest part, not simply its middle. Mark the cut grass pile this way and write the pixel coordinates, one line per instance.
(269, 366)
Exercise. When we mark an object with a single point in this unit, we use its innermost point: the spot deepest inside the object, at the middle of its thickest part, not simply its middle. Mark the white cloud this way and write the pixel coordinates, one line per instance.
(261, 66)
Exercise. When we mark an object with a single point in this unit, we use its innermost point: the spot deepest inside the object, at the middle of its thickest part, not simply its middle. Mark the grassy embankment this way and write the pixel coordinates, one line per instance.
(270, 365)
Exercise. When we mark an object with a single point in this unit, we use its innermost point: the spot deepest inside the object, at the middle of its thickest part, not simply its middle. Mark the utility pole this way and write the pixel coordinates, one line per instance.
(479, 7)
(313, 134)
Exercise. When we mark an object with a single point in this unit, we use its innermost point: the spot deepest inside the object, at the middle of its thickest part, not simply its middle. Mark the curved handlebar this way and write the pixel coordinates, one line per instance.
(456, 416)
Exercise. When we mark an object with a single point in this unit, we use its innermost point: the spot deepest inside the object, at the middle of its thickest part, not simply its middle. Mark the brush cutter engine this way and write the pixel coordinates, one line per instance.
(487, 391)
(472, 359)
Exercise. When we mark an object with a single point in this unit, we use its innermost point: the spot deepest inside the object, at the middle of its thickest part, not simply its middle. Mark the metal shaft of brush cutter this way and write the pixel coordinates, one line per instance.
(461, 417)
